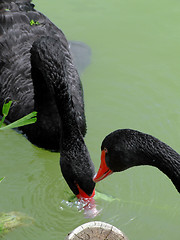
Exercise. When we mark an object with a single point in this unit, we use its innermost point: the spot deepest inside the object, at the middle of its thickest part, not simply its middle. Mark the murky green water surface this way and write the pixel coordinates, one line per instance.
(133, 81)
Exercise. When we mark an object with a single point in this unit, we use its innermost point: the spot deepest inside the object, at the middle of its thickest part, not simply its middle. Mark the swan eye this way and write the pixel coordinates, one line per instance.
(105, 150)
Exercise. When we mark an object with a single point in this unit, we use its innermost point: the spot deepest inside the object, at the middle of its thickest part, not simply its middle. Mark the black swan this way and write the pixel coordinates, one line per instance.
(47, 59)
(127, 148)
(20, 26)
(37, 73)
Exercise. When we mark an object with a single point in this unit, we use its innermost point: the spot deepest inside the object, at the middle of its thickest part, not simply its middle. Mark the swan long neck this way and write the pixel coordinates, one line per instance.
(163, 157)
(53, 60)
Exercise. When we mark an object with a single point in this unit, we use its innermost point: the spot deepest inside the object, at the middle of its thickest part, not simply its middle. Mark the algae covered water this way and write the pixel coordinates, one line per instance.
(131, 82)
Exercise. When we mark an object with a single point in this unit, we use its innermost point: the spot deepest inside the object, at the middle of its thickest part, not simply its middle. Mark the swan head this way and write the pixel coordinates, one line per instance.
(78, 170)
(120, 150)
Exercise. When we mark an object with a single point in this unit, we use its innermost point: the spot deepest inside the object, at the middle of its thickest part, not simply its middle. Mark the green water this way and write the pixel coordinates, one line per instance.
(133, 82)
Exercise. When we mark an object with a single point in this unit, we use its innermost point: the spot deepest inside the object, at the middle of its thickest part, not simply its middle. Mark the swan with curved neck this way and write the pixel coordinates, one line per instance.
(127, 148)
(49, 63)
(37, 73)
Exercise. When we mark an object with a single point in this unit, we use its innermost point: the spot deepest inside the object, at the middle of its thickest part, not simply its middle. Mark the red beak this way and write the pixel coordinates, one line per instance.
(104, 171)
(83, 195)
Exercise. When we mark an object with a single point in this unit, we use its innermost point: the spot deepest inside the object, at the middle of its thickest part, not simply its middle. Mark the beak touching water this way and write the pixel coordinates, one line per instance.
(89, 204)
(83, 195)
(103, 171)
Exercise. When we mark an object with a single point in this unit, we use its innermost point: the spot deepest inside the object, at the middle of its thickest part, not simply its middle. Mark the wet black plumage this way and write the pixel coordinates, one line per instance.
(20, 26)
(37, 73)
